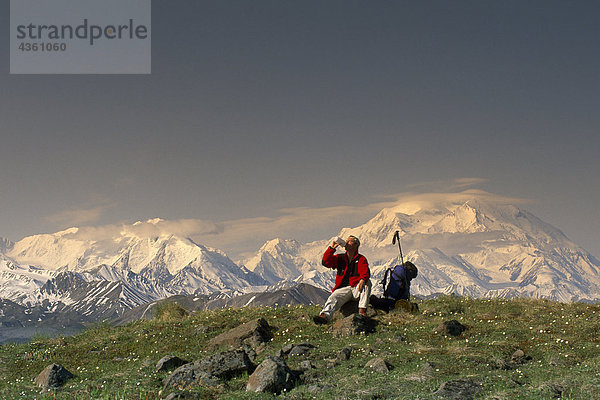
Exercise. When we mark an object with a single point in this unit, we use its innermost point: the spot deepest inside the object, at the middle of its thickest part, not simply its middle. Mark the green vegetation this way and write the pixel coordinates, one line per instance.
(169, 311)
(563, 341)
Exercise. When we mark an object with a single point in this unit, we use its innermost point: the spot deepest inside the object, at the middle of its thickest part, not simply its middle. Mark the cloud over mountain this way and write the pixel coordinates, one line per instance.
(241, 237)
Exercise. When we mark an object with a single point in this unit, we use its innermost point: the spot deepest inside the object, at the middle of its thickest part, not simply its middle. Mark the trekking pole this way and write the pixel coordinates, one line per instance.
(390, 269)
(397, 237)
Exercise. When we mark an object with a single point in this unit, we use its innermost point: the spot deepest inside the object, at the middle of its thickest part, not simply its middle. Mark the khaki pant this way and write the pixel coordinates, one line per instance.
(343, 295)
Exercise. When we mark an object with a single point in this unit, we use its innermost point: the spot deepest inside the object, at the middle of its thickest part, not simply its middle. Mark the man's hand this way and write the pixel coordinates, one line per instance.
(333, 245)
(361, 285)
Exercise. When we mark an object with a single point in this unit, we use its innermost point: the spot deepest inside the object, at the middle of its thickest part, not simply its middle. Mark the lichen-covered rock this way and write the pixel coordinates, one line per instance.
(378, 365)
(272, 375)
(519, 357)
(344, 354)
(167, 363)
(353, 325)
(53, 376)
(183, 396)
(187, 376)
(460, 389)
(301, 349)
(210, 370)
(285, 350)
(227, 364)
(306, 365)
(251, 333)
(451, 328)
(291, 349)
(350, 308)
(428, 368)
(426, 373)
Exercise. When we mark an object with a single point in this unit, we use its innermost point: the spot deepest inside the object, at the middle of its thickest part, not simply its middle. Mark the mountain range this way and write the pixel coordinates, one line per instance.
(474, 247)
(466, 245)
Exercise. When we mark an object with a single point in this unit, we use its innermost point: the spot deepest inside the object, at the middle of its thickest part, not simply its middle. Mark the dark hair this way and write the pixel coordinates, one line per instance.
(356, 240)
(412, 268)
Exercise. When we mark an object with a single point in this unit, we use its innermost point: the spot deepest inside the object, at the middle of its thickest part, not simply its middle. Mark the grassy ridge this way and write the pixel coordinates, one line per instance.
(563, 341)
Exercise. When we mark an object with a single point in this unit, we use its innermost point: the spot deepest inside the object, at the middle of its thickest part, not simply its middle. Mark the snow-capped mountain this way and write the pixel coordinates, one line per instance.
(276, 260)
(78, 249)
(139, 268)
(21, 284)
(288, 260)
(469, 247)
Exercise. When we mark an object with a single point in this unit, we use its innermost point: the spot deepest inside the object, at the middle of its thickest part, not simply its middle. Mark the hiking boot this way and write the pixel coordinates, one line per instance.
(320, 319)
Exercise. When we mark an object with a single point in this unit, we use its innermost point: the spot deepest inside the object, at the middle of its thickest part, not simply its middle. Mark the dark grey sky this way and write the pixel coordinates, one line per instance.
(255, 106)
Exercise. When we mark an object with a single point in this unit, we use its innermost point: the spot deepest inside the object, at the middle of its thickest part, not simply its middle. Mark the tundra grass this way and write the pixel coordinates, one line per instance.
(561, 343)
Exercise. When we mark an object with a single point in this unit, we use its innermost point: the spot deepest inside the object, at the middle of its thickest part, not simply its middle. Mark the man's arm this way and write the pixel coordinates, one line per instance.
(363, 269)
(363, 272)
(329, 258)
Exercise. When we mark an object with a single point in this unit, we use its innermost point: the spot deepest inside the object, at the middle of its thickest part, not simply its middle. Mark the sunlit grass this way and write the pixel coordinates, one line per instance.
(562, 340)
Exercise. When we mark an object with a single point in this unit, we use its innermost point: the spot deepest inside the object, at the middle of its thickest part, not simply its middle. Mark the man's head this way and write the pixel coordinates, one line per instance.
(352, 243)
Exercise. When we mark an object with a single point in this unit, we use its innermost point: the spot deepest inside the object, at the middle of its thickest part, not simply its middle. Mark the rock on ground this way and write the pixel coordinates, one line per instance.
(428, 368)
(272, 375)
(406, 306)
(301, 349)
(424, 374)
(186, 376)
(53, 376)
(210, 370)
(353, 325)
(291, 349)
(251, 333)
(227, 364)
(169, 362)
(451, 328)
(344, 354)
(306, 365)
(460, 389)
(519, 357)
(182, 396)
(378, 365)
(351, 307)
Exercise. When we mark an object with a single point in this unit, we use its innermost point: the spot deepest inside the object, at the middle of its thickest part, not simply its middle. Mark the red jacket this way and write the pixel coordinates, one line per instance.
(359, 267)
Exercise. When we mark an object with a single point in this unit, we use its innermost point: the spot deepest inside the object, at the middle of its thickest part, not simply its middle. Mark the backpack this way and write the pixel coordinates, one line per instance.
(396, 282)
